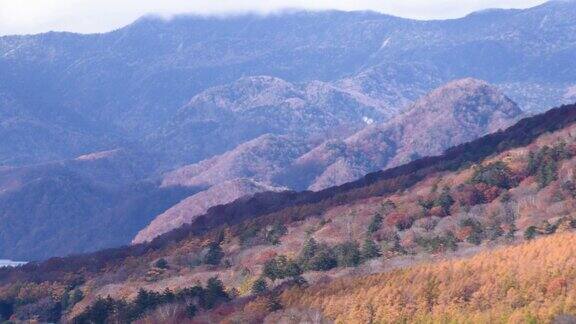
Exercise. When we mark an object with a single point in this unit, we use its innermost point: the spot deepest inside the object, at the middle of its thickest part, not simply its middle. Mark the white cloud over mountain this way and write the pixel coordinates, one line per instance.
(34, 16)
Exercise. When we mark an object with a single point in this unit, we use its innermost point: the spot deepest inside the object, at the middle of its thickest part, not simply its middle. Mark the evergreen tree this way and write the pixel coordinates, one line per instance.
(292, 270)
(496, 174)
(161, 264)
(375, 224)
(214, 293)
(214, 254)
(530, 233)
(280, 268)
(370, 249)
(275, 233)
(347, 254)
(272, 269)
(323, 260)
(547, 173)
(273, 303)
(445, 200)
(308, 251)
(191, 310)
(6, 310)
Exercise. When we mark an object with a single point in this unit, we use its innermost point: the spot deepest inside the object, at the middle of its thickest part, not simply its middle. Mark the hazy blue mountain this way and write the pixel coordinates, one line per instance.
(223, 117)
(85, 91)
(94, 201)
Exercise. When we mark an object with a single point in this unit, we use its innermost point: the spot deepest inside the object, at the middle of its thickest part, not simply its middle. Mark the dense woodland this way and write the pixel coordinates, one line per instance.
(530, 283)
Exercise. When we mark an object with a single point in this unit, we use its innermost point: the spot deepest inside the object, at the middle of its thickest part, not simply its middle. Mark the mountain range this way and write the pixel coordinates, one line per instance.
(294, 167)
(500, 206)
(67, 94)
(450, 115)
(236, 105)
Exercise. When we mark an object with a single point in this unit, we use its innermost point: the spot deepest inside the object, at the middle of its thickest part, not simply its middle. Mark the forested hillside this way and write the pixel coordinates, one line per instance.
(246, 260)
(534, 282)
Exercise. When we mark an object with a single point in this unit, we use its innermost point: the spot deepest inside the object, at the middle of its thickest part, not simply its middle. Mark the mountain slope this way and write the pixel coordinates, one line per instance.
(435, 292)
(92, 202)
(198, 204)
(29, 133)
(223, 117)
(457, 112)
(452, 114)
(260, 159)
(504, 188)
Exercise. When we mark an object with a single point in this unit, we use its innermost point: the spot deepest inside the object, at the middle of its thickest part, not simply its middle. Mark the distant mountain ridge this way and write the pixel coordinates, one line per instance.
(80, 205)
(452, 114)
(198, 204)
(455, 113)
(223, 117)
(124, 85)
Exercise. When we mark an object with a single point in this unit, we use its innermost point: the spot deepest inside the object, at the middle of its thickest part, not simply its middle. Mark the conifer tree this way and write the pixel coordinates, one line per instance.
(370, 250)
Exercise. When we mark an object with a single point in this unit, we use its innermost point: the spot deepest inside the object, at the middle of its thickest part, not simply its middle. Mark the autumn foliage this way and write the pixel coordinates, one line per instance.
(530, 283)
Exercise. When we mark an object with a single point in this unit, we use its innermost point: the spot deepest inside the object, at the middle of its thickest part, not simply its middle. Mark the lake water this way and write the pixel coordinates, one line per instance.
(10, 263)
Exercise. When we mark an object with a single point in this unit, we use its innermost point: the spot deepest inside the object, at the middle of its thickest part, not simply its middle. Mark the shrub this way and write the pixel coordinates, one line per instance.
(259, 286)
(530, 233)
(548, 228)
(161, 264)
(274, 234)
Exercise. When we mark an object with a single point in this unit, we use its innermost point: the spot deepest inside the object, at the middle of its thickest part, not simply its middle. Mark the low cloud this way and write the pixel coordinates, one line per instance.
(34, 16)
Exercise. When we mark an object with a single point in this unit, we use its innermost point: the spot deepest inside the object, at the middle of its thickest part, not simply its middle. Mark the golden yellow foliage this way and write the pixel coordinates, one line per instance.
(528, 283)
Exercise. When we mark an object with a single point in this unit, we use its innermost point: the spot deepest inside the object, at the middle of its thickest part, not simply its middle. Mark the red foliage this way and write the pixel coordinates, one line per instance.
(468, 195)
(489, 193)
(437, 211)
(463, 233)
(400, 220)
(475, 194)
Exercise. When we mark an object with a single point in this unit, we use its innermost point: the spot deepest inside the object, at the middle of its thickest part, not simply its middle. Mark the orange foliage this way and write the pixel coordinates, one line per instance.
(531, 282)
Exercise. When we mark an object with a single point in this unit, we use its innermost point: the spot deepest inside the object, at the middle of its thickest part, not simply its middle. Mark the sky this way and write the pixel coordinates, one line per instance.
(89, 16)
